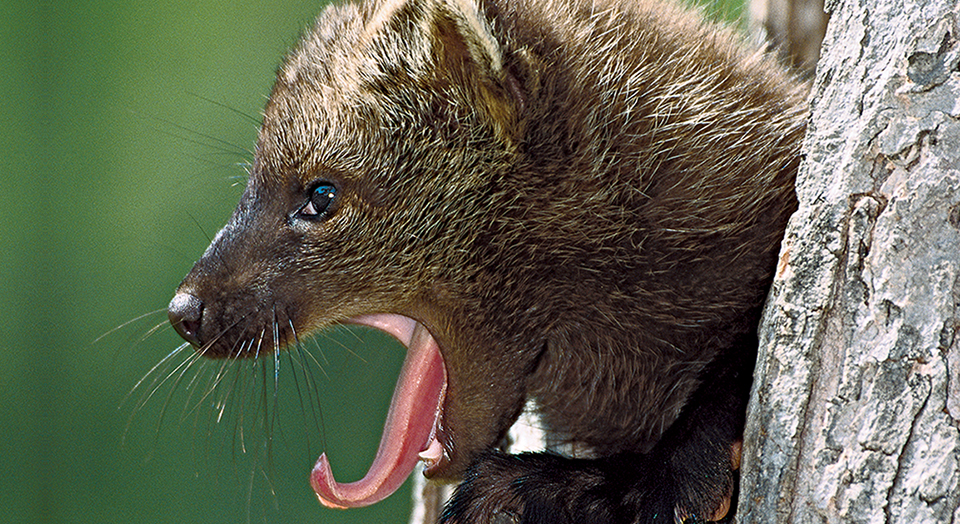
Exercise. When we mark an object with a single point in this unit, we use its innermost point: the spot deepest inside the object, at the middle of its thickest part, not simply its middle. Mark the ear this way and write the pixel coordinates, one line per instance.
(451, 41)
(466, 46)
(472, 32)
(417, 26)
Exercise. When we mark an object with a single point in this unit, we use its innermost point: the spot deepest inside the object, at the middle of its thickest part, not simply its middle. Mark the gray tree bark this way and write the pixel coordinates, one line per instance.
(856, 402)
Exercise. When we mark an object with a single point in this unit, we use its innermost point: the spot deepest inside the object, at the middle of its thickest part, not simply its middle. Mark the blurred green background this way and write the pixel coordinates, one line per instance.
(125, 128)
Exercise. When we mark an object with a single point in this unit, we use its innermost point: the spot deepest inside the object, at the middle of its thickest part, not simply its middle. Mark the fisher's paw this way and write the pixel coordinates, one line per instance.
(544, 488)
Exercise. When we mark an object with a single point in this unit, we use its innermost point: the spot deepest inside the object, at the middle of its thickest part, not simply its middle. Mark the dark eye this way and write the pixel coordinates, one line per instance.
(321, 199)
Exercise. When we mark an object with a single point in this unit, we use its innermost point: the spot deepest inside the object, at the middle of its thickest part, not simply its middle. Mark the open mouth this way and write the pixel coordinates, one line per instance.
(412, 431)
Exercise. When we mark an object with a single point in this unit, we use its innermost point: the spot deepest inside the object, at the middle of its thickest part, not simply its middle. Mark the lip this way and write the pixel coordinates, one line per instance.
(413, 429)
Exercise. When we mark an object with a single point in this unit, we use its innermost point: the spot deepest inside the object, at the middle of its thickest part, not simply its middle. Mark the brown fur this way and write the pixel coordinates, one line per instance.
(581, 200)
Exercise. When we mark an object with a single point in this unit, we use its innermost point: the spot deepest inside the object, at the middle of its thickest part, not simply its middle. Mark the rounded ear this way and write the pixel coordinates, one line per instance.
(471, 54)
(452, 41)
(473, 32)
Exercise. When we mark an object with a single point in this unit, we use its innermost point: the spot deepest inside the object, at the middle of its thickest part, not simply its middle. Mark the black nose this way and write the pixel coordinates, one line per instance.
(185, 312)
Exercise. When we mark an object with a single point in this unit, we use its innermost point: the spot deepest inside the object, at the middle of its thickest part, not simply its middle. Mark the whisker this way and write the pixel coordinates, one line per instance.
(218, 377)
(313, 394)
(223, 147)
(156, 385)
(346, 348)
(323, 355)
(183, 367)
(197, 362)
(199, 226)
(255, 121)
(351, 329)
(262, 398)
(212, 391)
(296, 385)
(239, 433)
(276, 401)
(315, 405)
(276, 369)
(220, 393)
(304, 351)
(162, 361)
(151, 331)
(127, 323)
(276, 331)
(264, 407)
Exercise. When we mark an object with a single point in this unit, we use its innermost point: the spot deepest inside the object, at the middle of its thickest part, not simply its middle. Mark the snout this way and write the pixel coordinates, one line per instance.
(186, 312)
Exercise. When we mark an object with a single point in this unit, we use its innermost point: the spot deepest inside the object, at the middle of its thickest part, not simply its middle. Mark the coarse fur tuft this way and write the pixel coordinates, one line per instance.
(581, 200)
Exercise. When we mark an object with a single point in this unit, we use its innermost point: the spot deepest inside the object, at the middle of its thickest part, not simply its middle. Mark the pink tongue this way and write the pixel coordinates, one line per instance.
(410, 424)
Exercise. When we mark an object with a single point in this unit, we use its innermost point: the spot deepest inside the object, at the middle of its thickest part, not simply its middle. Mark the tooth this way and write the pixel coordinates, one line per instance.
(433, 453)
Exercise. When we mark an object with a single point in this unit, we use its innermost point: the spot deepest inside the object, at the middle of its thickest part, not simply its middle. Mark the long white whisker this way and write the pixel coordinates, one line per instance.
(315, 405)
(127, 323)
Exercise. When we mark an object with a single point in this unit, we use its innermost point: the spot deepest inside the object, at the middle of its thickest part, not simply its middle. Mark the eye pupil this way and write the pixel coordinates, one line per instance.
(321, 198)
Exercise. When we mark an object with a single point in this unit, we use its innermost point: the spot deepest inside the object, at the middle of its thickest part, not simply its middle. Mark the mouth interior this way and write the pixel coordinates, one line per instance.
(410, 431)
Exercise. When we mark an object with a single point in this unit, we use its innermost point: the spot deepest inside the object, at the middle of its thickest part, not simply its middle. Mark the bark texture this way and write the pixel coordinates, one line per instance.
(855, 408)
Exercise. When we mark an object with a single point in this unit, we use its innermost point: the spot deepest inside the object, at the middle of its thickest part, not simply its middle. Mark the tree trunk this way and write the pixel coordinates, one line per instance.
(856, 402)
